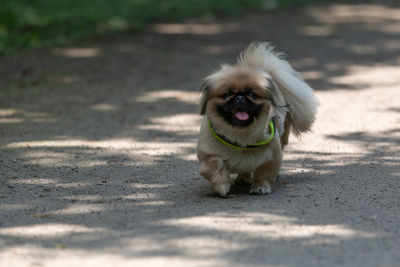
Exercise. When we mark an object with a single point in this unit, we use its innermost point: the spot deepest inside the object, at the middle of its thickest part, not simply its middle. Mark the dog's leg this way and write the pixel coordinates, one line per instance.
(213, 169)
(286, 132)
(244, 179)
(265, 175)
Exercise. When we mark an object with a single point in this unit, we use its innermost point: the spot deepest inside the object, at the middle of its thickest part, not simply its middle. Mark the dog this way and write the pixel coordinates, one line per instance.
(249, 110)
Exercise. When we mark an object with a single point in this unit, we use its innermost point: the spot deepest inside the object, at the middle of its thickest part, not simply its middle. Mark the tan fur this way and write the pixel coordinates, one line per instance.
(214, 169)
(260, 165)
(286, 132)
(266, 174)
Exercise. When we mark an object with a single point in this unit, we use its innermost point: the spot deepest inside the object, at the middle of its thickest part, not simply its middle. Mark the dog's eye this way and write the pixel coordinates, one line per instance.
(252, 94)
(227, 94)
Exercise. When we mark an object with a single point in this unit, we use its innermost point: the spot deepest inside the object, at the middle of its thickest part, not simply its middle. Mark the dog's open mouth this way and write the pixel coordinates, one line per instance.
(242, 115)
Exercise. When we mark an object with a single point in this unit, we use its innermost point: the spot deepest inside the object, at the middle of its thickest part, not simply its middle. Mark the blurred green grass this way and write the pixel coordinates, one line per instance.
(36, 23)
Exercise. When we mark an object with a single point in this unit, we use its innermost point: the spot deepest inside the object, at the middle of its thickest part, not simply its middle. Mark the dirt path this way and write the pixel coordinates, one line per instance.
(98, 166)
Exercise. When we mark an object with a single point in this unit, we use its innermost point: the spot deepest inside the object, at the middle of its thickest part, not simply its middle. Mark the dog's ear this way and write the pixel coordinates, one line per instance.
(205, 91)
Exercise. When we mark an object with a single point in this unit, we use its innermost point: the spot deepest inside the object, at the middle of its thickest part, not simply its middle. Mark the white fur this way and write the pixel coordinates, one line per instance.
(262, 189)
(298, 94)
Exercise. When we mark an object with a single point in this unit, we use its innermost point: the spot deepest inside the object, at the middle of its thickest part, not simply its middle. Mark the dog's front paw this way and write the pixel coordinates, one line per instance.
(261, 189)
(222, 188)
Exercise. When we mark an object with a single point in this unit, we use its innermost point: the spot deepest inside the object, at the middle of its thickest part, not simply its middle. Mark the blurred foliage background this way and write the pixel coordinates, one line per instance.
(35, 23)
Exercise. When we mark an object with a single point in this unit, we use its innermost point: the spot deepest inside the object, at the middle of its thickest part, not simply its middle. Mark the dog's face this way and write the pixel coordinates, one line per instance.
(236, 95)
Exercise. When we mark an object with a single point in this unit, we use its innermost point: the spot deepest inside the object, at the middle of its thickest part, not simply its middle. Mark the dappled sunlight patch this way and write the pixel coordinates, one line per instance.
(195, 28)
(305, 62)
(21, 116)
(374, 76)
(48, 158)
(159, 149)
(178, 120)
(154, 203)
(363, 49)
(313, 143)
(68, 79)
(72, 52)
(139, 196)
(8, 112)
(342, 13)
(268, 226)
(390, 28)
(188, 157)
(110, 143)
(371, 144)
(43, 120)
(181, 123)
(66, 256)
(313, 75)
(34, 181)
(51, 230)
(342, 106)
(79, 208)
(78, 153)
(317, 30)
(392, 45)
(206, 246)
(73, 184)
(222, 221)
(19, 206)
(218, 49)
(11, 120)
(177, 95)
(94, 202)
(139, 185)
(53, 182)
(103, 107)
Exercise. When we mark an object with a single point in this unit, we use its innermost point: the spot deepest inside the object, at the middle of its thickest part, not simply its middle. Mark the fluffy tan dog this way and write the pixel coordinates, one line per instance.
(249, 109)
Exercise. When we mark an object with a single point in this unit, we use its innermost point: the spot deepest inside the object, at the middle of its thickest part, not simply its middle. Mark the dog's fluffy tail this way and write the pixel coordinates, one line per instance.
(298, 94)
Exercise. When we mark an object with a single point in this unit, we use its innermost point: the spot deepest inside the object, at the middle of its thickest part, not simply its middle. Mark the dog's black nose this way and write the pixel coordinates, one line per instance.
(240, 99)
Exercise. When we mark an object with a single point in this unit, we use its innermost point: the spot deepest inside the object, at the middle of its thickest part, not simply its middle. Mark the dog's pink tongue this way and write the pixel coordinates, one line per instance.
(242, 116)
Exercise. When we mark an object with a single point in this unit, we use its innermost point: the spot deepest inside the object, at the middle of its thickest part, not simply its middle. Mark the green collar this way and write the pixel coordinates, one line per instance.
(234, 145)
